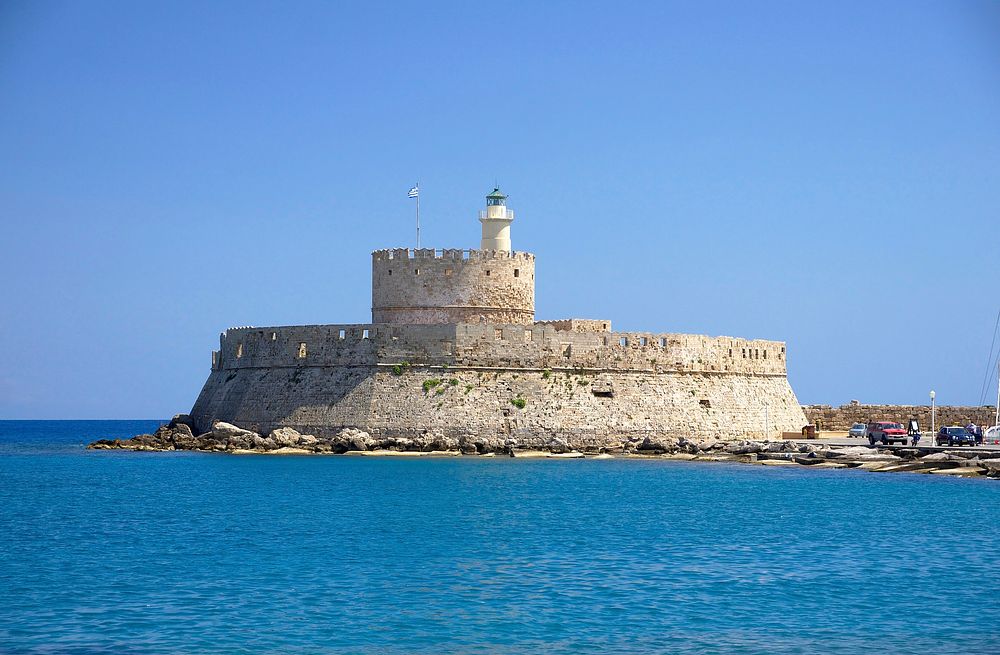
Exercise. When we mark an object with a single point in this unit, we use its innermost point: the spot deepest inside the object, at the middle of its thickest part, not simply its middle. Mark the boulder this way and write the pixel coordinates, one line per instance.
(744, 447)
(557, 445)
(307, 440)
(227, 432)
(182, 419)
(351, 439)
(663, 444)
(285, 437)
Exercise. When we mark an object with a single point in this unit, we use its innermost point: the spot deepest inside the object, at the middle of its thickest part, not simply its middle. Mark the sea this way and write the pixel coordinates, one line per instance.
(130, 552)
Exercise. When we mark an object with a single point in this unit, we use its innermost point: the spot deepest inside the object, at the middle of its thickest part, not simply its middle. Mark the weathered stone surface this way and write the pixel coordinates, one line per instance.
(285, 437)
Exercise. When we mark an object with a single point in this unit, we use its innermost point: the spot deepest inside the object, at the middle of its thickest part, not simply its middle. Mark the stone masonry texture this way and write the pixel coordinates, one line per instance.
(826, 417)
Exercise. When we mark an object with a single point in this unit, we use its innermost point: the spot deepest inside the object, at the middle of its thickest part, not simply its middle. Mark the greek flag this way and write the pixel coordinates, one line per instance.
(413, 193)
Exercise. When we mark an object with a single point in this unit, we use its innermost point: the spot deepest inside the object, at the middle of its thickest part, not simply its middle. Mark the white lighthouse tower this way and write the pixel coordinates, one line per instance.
(496, 220)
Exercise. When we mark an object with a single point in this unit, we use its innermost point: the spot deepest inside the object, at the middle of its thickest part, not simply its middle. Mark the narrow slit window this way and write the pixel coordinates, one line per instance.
(663, 342)
(274, 336)
(643, 341)
(416, 271)
(623, 342)
(302, 350)
(239, 350)
(487, 272)
(517, 273)
(390, 271)
(342, 334)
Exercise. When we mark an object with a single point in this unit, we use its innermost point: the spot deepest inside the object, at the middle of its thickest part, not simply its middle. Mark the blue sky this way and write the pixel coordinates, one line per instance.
(827, 175)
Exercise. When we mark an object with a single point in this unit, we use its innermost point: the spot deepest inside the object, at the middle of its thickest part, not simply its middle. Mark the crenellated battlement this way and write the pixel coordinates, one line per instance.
(509, 346)
(449, 254)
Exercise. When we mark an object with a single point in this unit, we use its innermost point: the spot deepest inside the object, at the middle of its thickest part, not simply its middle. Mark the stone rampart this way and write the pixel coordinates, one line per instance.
(841, 418)
(538, 346)
(524, 382)
(452, 286)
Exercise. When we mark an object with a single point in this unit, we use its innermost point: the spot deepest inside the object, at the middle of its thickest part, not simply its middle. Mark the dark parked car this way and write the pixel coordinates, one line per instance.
(885, 431)
(955, 436)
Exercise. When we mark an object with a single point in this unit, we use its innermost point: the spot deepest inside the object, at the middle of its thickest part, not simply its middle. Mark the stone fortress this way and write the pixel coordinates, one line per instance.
(454, 353)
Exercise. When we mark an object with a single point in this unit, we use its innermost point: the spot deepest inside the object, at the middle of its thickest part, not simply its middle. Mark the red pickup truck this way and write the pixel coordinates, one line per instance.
(885, 431)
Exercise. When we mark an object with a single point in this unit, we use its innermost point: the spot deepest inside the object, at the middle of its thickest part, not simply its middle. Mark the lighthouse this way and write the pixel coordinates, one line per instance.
(496, 220)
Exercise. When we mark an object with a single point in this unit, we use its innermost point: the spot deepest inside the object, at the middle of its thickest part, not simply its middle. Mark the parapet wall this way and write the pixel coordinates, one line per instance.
(826, 417)
(509, 346)
(429, 286)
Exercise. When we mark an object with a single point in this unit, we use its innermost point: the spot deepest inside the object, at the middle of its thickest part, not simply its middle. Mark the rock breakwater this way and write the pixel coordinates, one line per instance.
(227, 438)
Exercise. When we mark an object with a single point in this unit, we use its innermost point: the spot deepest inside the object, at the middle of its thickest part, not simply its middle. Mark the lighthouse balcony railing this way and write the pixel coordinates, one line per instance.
(507, 215)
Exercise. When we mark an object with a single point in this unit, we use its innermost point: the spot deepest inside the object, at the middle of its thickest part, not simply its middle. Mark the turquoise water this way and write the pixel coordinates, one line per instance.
(118, 552)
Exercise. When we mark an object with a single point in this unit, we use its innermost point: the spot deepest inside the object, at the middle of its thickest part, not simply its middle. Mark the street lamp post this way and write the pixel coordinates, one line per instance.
(933, 430)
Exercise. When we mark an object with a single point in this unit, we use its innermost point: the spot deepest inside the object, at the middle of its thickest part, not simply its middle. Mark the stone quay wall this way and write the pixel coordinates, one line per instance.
(826, 417)
(452, 286)
(528, 383)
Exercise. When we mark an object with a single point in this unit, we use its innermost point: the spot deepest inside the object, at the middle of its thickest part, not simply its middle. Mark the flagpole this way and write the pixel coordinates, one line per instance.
(418, 215)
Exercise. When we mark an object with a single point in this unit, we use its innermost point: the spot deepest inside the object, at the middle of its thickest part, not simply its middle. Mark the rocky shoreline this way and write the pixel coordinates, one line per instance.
(227, 438)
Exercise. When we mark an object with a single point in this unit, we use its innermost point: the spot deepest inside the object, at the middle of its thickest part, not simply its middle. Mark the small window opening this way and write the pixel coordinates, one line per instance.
(604, 326)
(705, 402)
(643, 341)
(744, 353)
(302, 350)
(756, 353)
(416, 271)
(497, 334)
(527, 335)
(239, 350)
(602, 393)
(447, 272)
(274, 336)
(364, 334)
(623, 342)
(487, 272)
(342, 334)
(663, 342)
(517, 273)
(765, 354)
(567, 349)
(390, 271)
(730, 353)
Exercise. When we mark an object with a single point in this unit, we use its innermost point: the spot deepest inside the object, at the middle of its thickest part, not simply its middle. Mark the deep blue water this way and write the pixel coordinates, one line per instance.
(122, 552)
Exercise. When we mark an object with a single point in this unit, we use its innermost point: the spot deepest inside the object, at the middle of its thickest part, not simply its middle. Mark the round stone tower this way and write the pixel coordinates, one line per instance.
(492, 285)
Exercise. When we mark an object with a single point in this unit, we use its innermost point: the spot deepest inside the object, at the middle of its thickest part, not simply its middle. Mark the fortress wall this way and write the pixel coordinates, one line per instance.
(452, 286)
(588, 410)
(594, 392)
(538, 346)
(841, 418)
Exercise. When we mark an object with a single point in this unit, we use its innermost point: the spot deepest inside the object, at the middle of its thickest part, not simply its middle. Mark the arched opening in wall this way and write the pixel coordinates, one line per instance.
(487, 272)
(302, 350)
(274, 336)
(342, 334)
(623, 342)
(663, 342)
(643, 341)
(364, 334)
(390, 271)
